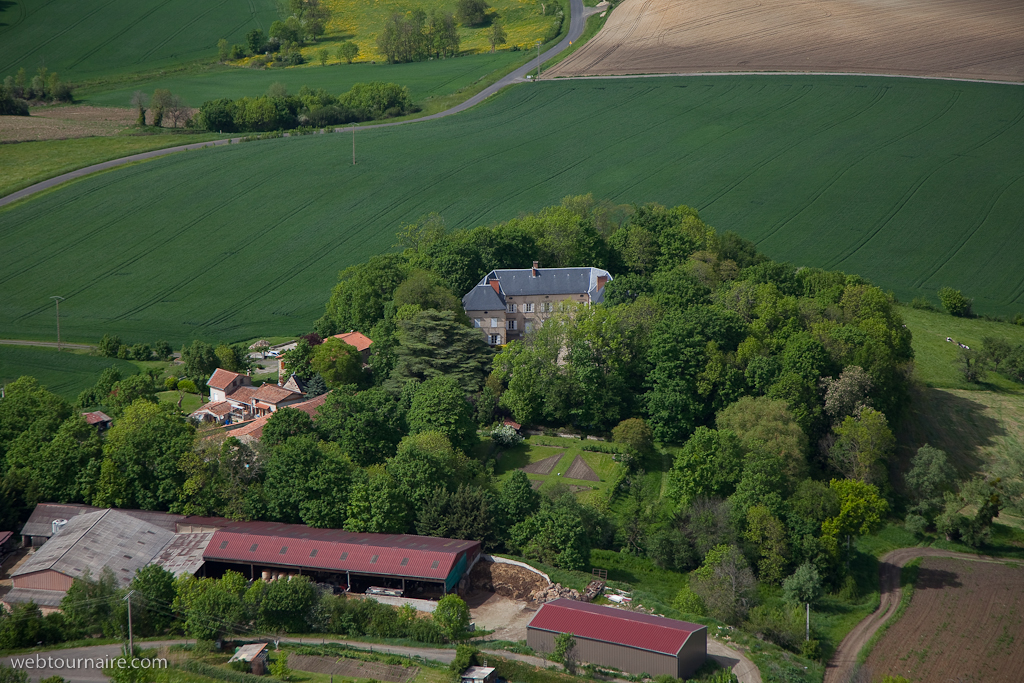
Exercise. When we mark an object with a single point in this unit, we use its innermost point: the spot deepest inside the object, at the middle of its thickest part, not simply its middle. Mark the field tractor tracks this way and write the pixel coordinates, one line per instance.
(142, 17)
(40, 46)
(179, 31)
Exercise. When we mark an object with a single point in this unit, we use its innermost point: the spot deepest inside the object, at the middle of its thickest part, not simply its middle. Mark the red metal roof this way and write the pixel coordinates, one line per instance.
(296, 545)
(96, 417)
(612, 625)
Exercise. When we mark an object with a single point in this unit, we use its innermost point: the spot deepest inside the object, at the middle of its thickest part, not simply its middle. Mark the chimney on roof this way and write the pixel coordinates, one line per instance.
(602, 280)
(495, 286)
(536, 265)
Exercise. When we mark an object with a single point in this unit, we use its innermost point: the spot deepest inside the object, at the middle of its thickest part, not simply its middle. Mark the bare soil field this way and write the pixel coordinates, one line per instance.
(75, 121)
(978, 39)
(964, 622)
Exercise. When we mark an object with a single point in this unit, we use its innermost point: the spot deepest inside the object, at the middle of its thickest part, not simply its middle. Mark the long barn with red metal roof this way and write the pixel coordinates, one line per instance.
(629, 641)
(420, 566)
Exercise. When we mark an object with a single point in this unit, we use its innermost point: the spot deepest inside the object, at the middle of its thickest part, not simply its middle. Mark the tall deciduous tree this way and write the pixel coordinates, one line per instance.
(439, 405)
(863, 445)
(770, 422)
(724, 583)
(337, 362)
(140, 458)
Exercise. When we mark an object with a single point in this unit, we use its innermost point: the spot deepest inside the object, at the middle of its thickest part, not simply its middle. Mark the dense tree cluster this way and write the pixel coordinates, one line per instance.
(279, 111)
(414, 36)
(45, 86)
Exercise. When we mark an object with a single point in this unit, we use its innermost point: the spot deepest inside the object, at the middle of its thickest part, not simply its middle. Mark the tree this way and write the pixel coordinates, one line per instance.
(724, 583)
(497, 36)
(199, 360)
(283, 605)
(323, 54)
(471, 12)
(154, 587)
(308, 482)
(517, 499)
(129, 390)
(140, 458)
(930, 476)
(452, 616)
(846, 395)
(92, 605)
(969, 364)
(177, 110)
(803, 586)
(770, 422)
(862, 447)
(861, 510)
(299, 359)
(63, 468)
(955, 302)
(465, 513)
(159, 103)
(377, 506)
(636, 435)
(434, 343)
(139, 100)
(337, 363)
(368, 425)
(555, 534)
(12, 675)
(284, 424)
(709, 464)
(565, 651)
(223, 49)
(185, 386)
(256, 40)
(439, 405)
(348, 51)
(768, 534)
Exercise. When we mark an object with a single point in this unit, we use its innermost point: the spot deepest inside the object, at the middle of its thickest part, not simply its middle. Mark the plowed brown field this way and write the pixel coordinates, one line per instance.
(965, 622)
(947, 38)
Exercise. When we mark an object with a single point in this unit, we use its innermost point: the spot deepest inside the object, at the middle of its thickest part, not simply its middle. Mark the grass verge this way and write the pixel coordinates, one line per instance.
(908, 576)
(595, 23)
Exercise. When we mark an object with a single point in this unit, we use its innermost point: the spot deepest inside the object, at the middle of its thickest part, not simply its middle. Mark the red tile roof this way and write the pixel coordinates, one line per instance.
(513, 424)
(356, 339)
(612, 625)
(311, 406)
(221, 378)
(253, 428)
(96, 417)
(296, 545)
(271, 393)
(242, 394)
(218, 408)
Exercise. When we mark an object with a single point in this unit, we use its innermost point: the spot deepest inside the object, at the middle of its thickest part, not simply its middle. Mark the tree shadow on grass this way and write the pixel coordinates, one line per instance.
(929, 579)
(955, 424)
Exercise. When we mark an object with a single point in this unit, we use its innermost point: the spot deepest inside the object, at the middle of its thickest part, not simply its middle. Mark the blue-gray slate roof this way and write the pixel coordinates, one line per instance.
(522, 282)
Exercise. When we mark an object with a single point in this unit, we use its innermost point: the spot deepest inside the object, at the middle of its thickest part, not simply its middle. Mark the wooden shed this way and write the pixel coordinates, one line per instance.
(629, 641)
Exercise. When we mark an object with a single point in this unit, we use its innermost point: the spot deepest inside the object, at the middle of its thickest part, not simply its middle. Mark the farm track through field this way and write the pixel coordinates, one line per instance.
(844, 660)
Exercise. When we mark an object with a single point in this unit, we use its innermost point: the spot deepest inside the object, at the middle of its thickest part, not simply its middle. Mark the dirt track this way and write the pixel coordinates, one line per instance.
(841, 667)
(978, 39)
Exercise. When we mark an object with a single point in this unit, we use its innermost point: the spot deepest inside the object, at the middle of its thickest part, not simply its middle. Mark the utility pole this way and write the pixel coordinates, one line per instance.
(57, 300)
(131, 644)
(538, 60)
(808, 636)
(353, 145)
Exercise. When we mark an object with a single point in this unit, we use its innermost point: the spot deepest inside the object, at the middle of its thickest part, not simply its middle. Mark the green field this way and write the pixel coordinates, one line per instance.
(102, 38)
(64, 373)
(527, 452)
(913, 184)
(27, 163)
(424, 79)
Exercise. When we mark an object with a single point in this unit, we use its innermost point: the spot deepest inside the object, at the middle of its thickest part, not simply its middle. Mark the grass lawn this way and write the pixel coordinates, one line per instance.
(65, 373)
(189, 403)
(86, 40)
(935, 359)
(904, 182)
(26, 163)
(526, 453)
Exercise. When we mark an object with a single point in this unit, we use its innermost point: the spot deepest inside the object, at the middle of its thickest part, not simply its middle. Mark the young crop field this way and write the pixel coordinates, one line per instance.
(913, 184)
(87, 40)
(964, 623)
(424, 79)
(64, 373)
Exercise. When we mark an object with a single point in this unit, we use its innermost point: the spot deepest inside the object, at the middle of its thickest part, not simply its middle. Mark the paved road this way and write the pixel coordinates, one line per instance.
(843, 662)
(64, 345)
(577, 20)
(726, 656)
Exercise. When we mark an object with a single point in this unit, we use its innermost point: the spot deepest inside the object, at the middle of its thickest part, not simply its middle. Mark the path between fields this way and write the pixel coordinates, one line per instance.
(726, 656)
(577, 20)
(843, 662)
(63, 345)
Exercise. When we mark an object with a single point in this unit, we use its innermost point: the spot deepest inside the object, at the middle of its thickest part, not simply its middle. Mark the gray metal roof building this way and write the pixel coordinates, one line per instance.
(535, 282)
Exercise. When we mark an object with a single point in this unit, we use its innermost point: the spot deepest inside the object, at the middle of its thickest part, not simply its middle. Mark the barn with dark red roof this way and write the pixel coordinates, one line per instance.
(629, 641)
(420, 566)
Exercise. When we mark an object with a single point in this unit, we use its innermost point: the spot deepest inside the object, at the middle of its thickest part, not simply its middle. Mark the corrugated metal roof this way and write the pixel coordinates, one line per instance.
(5, 536)
(184, 554)
(611, 625)
(40, 522)
(43, 598)
(105, 538)
(297, 545)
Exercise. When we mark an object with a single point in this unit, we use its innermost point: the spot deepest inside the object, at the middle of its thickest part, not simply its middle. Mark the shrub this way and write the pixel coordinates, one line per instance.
(377, 98)
(922, 304)
(915, 524)
(955, 302)
(471, 12)
(506, 436)
(239, 666)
